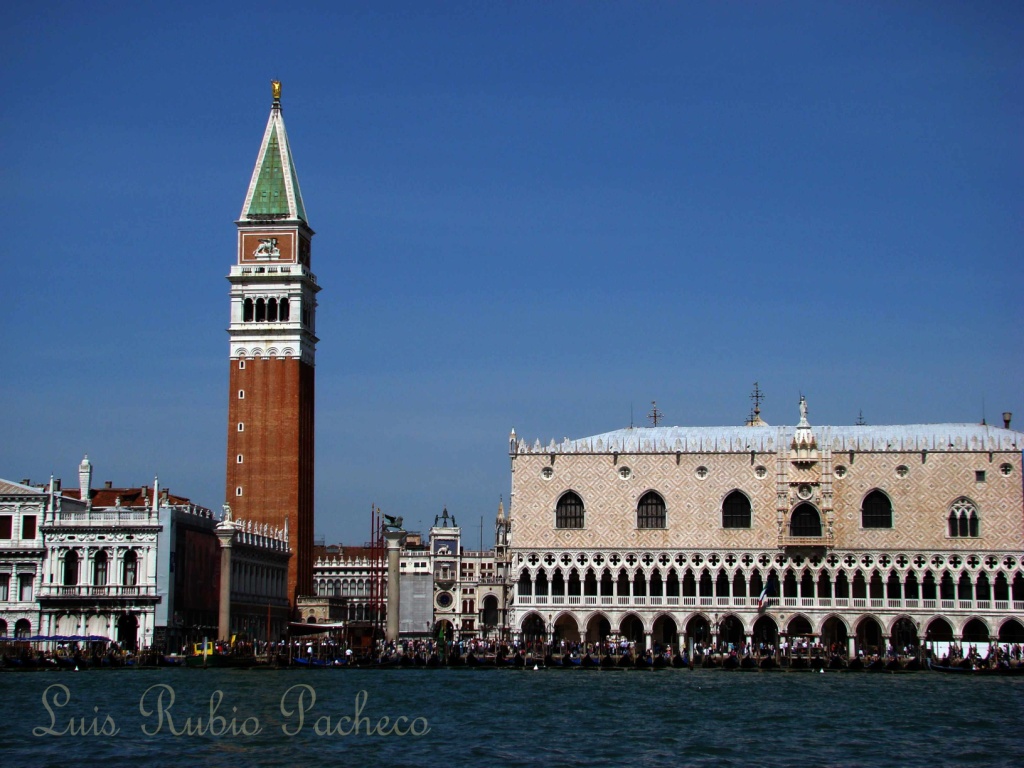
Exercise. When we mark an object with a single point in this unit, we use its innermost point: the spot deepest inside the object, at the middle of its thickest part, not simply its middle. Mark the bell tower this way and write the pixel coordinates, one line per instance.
(272, 355)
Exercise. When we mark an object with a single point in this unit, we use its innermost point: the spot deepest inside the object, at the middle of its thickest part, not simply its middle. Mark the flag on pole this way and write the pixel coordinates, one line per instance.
(768, 591)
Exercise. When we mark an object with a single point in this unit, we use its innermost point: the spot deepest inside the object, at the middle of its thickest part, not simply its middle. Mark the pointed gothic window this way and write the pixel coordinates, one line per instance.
(876, 511)
(569, 512)
(963, 519)
(736, 511)
(650, 512)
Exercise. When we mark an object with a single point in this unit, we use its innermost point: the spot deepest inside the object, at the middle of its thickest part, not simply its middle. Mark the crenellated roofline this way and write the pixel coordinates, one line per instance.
(742, 439)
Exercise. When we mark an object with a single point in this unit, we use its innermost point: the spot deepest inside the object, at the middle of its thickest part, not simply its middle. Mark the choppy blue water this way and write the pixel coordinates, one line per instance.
(511, 718)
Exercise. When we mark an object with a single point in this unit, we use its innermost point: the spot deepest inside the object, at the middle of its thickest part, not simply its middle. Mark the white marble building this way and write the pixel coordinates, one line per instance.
(22, 508)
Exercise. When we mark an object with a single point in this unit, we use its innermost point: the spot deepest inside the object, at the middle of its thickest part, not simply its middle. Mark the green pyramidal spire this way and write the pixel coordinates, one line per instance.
(274, 190)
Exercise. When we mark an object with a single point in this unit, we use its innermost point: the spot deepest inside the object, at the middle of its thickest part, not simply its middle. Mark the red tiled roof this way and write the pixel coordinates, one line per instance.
(130, 497)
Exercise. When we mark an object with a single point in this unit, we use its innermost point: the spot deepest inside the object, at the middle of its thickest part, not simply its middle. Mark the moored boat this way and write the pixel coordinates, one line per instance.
(208, 654)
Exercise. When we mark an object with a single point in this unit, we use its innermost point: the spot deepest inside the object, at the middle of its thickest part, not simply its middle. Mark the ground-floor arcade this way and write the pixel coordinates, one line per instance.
(769, 630)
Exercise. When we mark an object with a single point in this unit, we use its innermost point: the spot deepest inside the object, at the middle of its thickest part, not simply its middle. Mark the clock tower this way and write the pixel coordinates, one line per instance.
(272, 356)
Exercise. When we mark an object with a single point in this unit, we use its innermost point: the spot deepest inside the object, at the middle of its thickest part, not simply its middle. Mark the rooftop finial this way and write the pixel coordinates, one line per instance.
(275, 87)
(757, 396)
(655, 415)
(754, 420)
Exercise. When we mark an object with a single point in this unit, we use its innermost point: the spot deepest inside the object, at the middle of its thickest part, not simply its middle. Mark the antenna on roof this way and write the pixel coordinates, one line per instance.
(655, 415)
(860, 419)
(983, 423)
(630, 414)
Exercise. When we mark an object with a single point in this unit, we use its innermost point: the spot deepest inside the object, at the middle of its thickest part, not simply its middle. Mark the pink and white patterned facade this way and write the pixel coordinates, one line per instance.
(866, 535)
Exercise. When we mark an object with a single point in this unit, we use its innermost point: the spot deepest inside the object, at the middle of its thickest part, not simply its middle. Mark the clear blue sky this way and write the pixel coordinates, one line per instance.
(535, 215)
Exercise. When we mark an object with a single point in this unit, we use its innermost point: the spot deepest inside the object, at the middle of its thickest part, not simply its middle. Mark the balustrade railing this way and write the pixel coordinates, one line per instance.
(888, 604)
(91, 517)
(89, 590)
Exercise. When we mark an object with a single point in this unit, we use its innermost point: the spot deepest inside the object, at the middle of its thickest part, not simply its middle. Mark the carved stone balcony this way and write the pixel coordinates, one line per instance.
(786, 541)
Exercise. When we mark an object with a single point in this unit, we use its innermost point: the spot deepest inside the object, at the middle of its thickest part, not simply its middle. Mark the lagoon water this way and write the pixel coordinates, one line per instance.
(509, 718)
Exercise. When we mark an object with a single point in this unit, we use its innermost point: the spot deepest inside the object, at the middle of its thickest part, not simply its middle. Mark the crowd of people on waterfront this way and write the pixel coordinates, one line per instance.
(67, 655)
(335, 651)
(997, 656)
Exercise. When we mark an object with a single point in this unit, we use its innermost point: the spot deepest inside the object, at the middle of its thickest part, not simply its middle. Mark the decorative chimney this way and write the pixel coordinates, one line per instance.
(1007, 415)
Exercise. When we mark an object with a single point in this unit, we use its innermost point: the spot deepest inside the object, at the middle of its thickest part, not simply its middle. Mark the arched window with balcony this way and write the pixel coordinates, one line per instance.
(70, 569)
(736, 510)
(99, 569)
(805, 521)
(247, 311)
(569, 512)
(876, 510)
(650, 511)
(525, 583)
(283, 310)
(130, 569)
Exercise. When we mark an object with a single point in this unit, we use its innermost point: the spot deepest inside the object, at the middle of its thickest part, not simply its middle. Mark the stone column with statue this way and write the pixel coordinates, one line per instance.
(226, 534)
(394, 537)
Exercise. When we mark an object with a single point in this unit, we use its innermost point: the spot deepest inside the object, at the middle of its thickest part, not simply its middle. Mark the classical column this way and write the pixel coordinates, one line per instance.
(226, 534)
(151, 568)
(394, 539)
